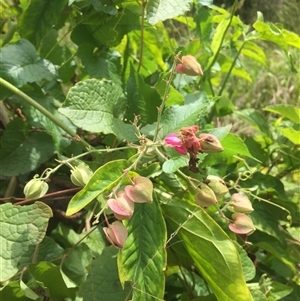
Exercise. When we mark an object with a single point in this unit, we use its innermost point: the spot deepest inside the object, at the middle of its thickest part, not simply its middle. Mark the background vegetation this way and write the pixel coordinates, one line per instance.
(75, 74)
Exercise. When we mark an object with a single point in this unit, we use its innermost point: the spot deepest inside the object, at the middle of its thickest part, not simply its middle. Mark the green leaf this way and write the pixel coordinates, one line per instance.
(104, 178)
(175, 117)
(291, 38)
(31, 149)
(103, 280)
(77, 263)
(142, 99)
(53, 280)
(226, 65)
(218, 38)
(214, 254)
(253, 51)
(174, 164)
(233, 145)
(20, 227)
(256, 119)
(142, 260)
(105, 6)
(98, 106)
(68, 238)
(17, 290)
(101, 65)
(160, 10)
(39, 120)
(278, 291)
(290, 133)
(288, 111)
(39, 18)
(174, 97)
(265, 221)
(106, 30)
(48, 250)
(20, 64)
(60, 56)
(270, 32)
(247, 264)
(272, 246)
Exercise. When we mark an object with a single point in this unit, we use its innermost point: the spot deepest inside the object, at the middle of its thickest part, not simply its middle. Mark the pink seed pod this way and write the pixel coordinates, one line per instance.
(242, 224)
(189, 66)
(116, 234)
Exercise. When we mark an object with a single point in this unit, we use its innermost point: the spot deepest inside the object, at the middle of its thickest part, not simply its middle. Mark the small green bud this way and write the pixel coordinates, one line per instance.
(217, 185)
(35, 189)
(81, 174)
(205, 197)
(240, 203)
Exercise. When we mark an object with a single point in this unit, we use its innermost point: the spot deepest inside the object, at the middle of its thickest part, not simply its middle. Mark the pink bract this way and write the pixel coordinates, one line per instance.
(173, 140)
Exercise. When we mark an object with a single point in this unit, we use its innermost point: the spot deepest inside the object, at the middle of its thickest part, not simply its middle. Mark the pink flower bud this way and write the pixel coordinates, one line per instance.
(189, 66)
(122, 206)
(240, 203)
(242, 224)
(141, 191)
(116, 233)
(174, 141)
(205, 197)
(210, 143)
(217, 185)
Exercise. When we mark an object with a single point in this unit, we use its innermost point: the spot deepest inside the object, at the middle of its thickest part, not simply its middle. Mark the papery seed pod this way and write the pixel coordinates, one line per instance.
(205, 197)
(35, 189)
(217, 185)
(141, 191)
(242, 224)
(122, 206)
(210, 144)
(116, 233)
(81, 174)
(240, 203)
(189, 66)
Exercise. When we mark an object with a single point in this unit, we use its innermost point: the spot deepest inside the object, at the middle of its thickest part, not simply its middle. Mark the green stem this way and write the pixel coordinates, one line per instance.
(142, 36)
(231, 68)
(161, 107)
(44, 111)
(223, 37)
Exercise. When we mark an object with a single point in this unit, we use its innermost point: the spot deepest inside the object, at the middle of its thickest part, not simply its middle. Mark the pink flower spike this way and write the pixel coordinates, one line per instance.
(173, 140)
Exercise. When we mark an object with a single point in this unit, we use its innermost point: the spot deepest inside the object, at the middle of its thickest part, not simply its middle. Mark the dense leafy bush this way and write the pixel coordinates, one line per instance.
(131, 123)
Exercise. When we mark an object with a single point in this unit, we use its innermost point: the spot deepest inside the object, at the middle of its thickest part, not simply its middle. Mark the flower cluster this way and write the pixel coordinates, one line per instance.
(188, 142)
(123, 207)
(215, 188)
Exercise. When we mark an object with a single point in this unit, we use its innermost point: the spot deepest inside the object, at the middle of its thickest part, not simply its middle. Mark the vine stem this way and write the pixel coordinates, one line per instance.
(142, 36)
(44, 111)
(161, 107)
